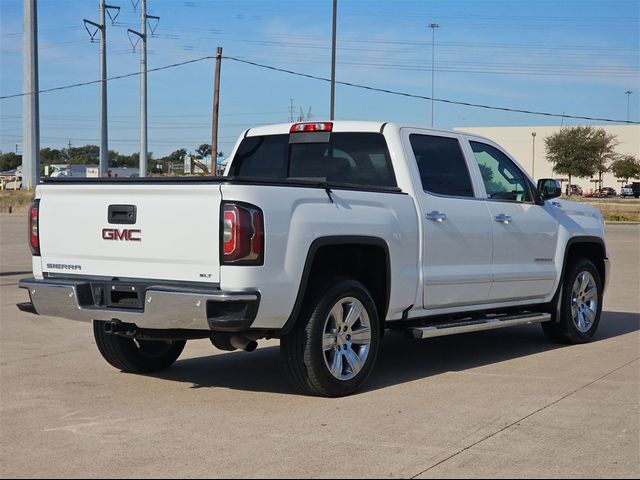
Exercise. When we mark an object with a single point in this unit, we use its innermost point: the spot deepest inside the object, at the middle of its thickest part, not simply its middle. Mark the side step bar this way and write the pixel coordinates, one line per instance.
(478, 325)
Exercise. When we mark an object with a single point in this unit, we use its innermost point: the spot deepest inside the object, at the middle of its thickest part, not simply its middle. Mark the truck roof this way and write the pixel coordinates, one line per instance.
(347, 126)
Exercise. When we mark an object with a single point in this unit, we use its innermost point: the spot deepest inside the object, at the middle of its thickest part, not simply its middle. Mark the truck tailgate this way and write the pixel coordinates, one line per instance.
(175, 234)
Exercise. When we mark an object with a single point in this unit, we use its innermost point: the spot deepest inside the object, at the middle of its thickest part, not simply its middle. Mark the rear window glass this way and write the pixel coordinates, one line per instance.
(349, 158)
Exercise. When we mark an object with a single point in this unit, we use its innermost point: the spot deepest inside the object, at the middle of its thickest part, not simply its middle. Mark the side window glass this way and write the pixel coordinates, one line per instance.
(443, 169)
(502, 179)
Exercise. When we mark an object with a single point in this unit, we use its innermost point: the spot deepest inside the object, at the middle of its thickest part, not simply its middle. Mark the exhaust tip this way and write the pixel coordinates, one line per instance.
(244, 344)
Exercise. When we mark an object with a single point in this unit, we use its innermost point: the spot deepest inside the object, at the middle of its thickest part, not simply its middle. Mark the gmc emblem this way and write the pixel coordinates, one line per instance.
(127, 235)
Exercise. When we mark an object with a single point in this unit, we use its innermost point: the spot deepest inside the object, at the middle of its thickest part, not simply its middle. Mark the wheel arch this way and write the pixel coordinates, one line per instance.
(590, 247)
(345, 255)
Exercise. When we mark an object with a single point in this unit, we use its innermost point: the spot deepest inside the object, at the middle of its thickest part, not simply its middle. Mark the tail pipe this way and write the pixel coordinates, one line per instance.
(244, 344)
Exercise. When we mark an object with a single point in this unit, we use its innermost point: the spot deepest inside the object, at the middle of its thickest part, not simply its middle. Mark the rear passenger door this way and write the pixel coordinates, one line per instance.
(457, 240)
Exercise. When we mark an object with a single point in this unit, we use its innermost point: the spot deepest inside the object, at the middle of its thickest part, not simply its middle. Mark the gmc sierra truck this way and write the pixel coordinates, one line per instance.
(322, 235)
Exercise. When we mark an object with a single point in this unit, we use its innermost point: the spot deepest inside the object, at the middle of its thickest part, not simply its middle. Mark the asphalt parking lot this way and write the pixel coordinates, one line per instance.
(503, 403)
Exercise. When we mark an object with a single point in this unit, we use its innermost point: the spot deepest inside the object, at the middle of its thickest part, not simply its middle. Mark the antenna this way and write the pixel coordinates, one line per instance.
(292, 109)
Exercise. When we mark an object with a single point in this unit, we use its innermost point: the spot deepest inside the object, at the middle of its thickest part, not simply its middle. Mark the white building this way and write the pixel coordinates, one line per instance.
(519, 142)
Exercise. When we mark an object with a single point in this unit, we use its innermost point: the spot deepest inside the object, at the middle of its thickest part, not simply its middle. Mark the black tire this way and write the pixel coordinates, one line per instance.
(305, 358)
(136, 356)
(562, 327)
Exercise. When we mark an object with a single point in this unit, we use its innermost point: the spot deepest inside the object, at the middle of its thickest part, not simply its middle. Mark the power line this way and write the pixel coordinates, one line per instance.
(423, 97)
(348, 84)
(118, 77)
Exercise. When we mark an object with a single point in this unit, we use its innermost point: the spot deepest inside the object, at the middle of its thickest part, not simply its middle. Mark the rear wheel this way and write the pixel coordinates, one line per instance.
(578, 313)
(136, 356)
(332, 348)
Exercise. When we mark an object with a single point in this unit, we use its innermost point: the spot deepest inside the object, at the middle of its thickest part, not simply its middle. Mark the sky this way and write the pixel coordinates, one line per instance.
(568, 57)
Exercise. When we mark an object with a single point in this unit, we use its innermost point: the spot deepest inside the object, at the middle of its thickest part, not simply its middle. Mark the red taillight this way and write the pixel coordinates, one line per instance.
(242, 234)
(34, 225)
(311, 127)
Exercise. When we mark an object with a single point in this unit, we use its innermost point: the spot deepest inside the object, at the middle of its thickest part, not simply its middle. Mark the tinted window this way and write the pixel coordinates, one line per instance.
(351, 158)
(502, 179)
(262, 157)
(442, 166)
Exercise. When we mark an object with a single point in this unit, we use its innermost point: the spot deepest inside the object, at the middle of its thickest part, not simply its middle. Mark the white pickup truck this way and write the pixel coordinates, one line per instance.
(322, 235)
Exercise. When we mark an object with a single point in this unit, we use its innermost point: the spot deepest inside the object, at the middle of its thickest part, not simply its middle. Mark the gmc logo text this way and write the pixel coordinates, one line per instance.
(127, 235)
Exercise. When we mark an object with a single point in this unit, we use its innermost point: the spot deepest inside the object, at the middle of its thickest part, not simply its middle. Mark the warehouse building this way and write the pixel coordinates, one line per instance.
(527, 146)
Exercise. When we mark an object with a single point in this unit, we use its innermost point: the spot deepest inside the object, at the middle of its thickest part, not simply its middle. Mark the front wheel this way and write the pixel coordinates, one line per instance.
(578, 313)
(332, 348)
(136, 356)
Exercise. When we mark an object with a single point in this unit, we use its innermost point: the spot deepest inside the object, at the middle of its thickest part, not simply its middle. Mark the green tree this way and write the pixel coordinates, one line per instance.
(50, 155)
(604, 145)
(178, 155)
(203, 150)
(173, 160)
(9, 161)
(626, 167)
(573, 152)
(89, 154)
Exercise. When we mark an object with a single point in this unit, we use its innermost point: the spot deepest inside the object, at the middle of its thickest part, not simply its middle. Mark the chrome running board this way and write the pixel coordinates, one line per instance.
(476, 325)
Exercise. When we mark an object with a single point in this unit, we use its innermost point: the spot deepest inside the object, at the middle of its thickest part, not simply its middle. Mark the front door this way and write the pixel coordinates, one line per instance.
(525, 234)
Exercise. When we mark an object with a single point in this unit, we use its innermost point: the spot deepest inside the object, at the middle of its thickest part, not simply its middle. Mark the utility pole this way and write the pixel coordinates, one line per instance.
(628, 93)
(30, 104)
(433, 27)
(216, 106)
(533, 157)
(142, 35)
(102, 28)
(333, 60)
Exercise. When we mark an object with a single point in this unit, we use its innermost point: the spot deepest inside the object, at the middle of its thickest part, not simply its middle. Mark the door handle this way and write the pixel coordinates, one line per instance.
(502, 218)
(436, 216)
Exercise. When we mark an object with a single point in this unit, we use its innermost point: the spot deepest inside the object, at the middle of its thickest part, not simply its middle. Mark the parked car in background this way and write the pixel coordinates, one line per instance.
(606, 192)
(626, 191)
(631, 190)
(575, 190)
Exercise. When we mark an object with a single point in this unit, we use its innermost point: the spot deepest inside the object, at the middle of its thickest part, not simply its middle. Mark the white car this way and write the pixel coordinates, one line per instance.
(323, 235)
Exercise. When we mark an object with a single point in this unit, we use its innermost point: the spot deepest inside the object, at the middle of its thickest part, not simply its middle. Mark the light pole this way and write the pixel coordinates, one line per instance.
(533, 157)
(333, 60)
(433, 27)
(628, 93)
(31, 101)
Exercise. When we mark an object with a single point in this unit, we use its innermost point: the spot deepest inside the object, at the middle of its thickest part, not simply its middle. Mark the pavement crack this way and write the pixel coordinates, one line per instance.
(455, 454)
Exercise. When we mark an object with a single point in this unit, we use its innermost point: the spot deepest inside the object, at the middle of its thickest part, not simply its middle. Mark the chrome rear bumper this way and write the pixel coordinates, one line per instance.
(164, 307)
